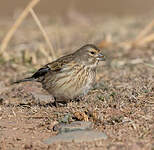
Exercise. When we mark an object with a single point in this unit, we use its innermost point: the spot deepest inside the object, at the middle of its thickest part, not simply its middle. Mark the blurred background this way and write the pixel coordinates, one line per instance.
(101, 7)
(72, 23)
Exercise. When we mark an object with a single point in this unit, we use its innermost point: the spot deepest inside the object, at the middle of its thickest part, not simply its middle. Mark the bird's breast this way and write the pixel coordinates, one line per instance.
(72, 82)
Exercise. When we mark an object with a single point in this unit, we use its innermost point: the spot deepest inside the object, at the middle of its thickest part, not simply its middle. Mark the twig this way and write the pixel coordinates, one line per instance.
(149, 65)
(145, 31)
(141, 39)
(146, 39)
(16, 25)
(43, 32)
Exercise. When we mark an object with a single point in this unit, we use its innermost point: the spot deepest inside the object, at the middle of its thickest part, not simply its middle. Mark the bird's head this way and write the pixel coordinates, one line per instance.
(90, 55)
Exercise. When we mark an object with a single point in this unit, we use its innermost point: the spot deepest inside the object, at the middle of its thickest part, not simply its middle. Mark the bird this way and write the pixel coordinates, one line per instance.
(70, 76)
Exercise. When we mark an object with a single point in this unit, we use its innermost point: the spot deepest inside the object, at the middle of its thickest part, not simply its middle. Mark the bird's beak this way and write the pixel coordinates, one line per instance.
(100, 57)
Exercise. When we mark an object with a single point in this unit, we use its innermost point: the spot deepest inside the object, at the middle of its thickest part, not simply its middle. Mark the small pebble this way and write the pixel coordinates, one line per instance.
(77, 125)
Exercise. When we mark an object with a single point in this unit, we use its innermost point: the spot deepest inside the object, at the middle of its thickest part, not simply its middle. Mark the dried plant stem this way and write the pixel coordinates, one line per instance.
(149, 65)
(43, 32)
(146, 39)
(145, 31)
(16, 25)
(141, 39)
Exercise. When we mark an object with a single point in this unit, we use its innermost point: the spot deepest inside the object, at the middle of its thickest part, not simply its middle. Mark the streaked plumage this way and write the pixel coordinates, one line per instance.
(70, 76)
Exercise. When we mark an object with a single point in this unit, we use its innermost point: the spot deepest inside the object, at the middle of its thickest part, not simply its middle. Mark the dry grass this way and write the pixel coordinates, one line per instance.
(26, 11)
(140, 40)
(53, 54)
(145, 31)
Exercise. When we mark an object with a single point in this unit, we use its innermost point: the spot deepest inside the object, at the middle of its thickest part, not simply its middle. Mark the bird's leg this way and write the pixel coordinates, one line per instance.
(79, 98)
(57, 103)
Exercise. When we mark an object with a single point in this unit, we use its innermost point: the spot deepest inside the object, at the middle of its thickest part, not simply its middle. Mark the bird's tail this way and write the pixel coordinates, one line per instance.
(40, 73)
(24, 80)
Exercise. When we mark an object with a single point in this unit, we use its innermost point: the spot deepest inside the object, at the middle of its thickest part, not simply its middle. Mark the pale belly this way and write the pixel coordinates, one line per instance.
(72, 86)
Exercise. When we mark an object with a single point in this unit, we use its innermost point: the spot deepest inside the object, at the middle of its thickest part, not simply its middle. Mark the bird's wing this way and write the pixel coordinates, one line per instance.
(41, 72)
(60, 63)
(54, 66)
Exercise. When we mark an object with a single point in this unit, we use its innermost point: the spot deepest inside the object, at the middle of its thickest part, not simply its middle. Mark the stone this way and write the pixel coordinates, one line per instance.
(76, 125)
(65, 119)
(42, 98)
(77, 136)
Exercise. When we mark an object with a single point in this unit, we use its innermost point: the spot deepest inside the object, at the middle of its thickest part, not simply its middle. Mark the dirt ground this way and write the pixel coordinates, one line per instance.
(121, 104)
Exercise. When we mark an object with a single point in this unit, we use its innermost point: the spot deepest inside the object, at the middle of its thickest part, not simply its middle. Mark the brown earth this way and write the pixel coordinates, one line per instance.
(121, 105)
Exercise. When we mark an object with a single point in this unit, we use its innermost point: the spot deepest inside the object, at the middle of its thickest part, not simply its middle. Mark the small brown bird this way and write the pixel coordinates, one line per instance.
(69, 76)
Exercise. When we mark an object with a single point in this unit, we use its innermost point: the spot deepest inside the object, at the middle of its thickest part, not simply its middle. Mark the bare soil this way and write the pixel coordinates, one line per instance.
(120, 105)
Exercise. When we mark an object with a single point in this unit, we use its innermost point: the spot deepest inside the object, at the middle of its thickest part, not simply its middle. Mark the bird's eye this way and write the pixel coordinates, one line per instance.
(92, 52)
